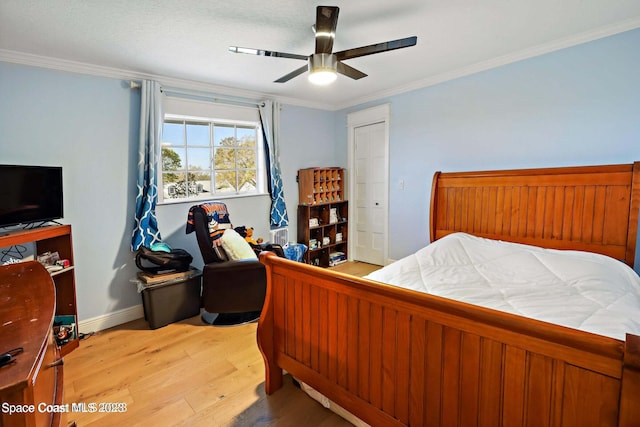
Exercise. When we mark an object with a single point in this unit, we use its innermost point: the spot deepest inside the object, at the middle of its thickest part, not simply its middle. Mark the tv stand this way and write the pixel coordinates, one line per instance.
(53, 238)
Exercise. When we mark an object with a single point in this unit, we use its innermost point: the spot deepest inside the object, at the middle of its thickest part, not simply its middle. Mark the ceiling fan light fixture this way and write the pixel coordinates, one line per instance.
(322, 69)
(325, 64)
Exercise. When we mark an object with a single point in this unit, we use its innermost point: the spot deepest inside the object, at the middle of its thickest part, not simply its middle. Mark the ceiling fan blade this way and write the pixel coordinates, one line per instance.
(260, 52)
(326, 23)
(348, 71)
(292, 74)
(376, 48)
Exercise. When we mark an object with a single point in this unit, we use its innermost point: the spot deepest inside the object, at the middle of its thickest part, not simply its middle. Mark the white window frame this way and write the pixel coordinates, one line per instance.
(261, 185)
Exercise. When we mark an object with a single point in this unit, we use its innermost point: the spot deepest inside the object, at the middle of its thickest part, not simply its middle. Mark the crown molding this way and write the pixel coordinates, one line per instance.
(52, 63)
(509, 58)
(117, 73)
(69, 66)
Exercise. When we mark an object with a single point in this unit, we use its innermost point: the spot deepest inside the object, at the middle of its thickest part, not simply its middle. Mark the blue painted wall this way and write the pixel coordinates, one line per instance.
(308, 140)
(87, 125)
(576, 106)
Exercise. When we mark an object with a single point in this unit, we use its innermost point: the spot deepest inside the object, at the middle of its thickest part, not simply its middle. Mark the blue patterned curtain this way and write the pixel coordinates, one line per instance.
(145, 231)
(270, 119)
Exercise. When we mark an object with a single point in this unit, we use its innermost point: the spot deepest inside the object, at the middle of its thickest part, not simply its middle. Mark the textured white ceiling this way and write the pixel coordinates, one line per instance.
(188, 39)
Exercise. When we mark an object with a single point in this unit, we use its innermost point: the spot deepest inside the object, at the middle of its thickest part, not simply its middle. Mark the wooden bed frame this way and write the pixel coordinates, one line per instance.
(392, 356)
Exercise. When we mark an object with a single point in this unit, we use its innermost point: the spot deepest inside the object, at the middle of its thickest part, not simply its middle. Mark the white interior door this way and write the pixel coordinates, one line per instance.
(370, 193)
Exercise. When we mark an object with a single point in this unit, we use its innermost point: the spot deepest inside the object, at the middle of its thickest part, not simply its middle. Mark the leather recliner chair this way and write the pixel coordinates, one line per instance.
(233, 291)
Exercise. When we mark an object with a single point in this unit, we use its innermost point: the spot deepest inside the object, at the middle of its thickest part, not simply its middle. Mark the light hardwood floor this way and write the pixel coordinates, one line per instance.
(356, 268)
(185, 374)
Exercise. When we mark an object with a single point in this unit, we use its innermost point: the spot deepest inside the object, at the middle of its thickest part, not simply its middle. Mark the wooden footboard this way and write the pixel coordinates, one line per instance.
(397, 357)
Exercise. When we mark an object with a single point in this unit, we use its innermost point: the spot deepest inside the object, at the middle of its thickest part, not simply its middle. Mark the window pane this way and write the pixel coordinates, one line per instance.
(197, 182)
(246, 159)
(246, 137)
(173, 133)
(198, 159)
(226, 182)
(171, 184)
(186, 188)
(248, 180)
(225, 158)
(185, 185)
(198, 134)
(224, 135)
(201, 158)
(172, 158)
(202, 181)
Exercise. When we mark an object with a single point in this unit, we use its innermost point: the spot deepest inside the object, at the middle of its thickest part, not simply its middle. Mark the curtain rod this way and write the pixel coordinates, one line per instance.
(202, 95)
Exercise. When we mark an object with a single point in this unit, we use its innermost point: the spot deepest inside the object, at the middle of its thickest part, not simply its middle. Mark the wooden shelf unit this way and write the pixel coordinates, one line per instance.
(330, 234)
(317, 186)
(56, 238)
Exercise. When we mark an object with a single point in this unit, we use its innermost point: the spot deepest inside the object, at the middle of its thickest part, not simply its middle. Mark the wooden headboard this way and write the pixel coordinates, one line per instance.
(588, 208)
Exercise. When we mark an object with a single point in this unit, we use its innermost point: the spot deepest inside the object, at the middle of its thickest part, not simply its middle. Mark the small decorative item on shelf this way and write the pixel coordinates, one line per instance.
(64, 328)
(333, 215)
(48, 258)
(314, 222)
(314, 244)
(336, 258)
(338, 237)
(52, 262)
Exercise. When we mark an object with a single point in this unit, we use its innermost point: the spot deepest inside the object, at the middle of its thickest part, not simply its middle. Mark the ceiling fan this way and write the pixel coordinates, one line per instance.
(324, 64)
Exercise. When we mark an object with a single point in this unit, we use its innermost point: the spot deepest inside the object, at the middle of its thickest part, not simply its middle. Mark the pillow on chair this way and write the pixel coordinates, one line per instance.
(235, 246)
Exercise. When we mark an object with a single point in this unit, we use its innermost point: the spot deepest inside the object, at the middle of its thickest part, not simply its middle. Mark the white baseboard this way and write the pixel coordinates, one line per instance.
(112, 319)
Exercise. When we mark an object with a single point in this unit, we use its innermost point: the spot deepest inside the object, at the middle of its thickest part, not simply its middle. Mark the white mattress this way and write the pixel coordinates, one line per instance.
(580, 290)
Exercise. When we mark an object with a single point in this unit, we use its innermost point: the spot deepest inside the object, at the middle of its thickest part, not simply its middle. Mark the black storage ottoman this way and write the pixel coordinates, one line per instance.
(172, 300)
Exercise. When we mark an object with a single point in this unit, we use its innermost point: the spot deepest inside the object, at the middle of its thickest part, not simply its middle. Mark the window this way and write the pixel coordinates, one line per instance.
(209, 158)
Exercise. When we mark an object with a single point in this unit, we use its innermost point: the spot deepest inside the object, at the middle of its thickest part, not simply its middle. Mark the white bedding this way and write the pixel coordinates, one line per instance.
(580, 290)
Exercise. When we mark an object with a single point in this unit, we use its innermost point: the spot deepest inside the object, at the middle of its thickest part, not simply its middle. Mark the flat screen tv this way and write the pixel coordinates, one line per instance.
(30, 194)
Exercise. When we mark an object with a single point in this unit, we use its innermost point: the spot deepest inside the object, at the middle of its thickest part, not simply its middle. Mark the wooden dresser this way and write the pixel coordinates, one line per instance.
(30, 387)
